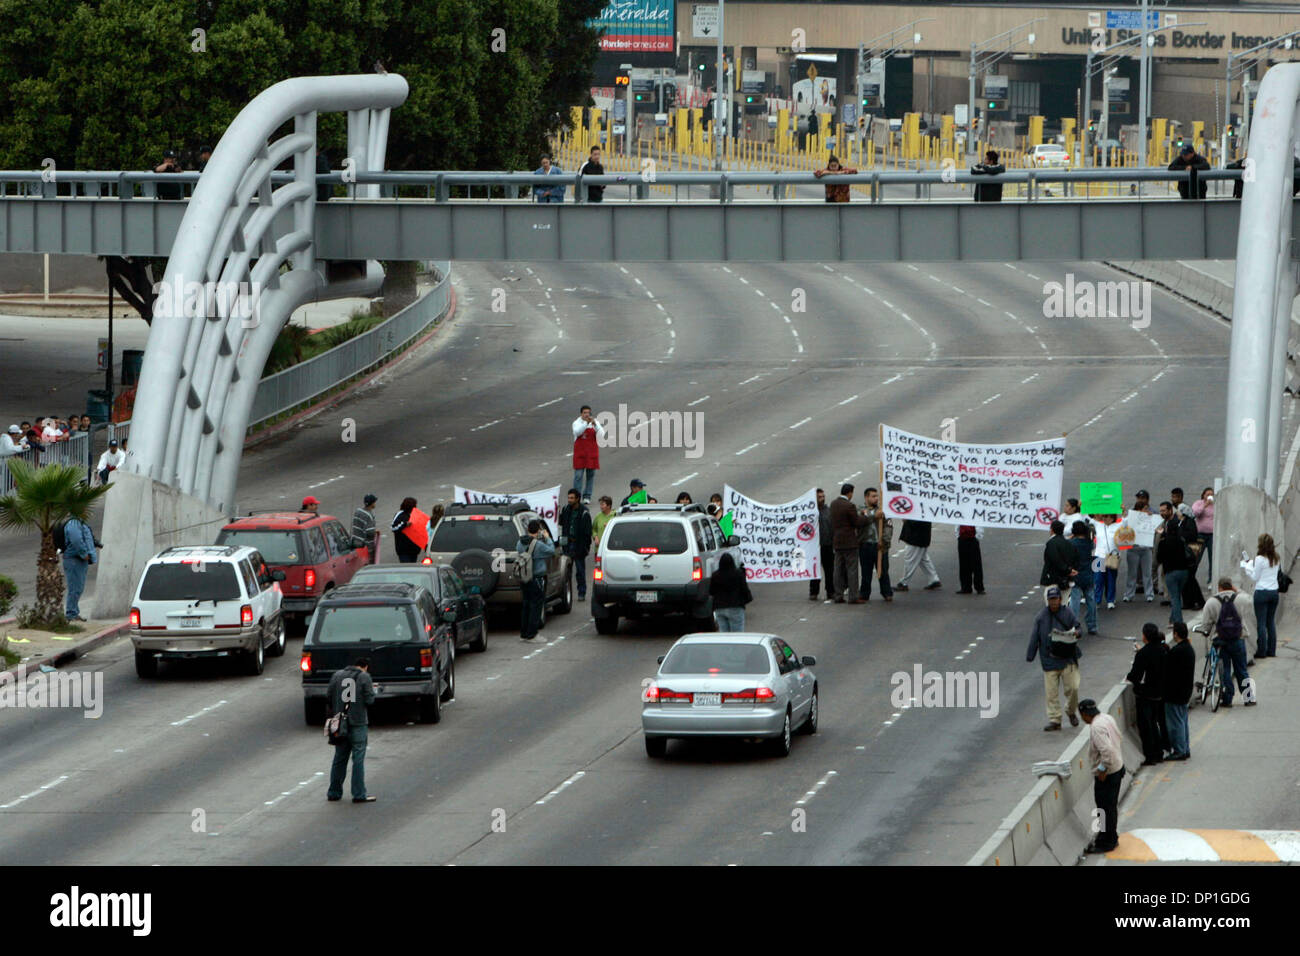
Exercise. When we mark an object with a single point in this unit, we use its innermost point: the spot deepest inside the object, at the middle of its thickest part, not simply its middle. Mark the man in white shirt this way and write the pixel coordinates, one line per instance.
(1106, 760)
(110, 461)
(12, 442)
(52, 431)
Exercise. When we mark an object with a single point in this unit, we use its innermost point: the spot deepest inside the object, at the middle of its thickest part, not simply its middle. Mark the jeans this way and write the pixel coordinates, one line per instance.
(730, 618)
(1265, 628)
(1139, 566)
(867, 567)
(1150, 718)
(551, 198)
(358, 736)
(1232, 657)
(970, 564)
(846, 573)
(1174, 581)
(74, 569)
(1084, 594)
(1105, 793)
(581, 474)
(1207, 556)
(913, 558)
(580, 572)
(828, 573)
(885, 589)
(1104, 585)
(1176, 721)
(533, 595)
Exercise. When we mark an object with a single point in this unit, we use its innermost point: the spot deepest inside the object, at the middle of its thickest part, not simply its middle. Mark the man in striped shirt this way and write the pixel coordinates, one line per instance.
(363, 525)
(1106, 758)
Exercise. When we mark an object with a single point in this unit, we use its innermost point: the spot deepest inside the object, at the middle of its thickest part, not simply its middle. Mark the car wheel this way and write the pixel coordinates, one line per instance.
(656, 746)
(780, 746)
(278, 645)
(479, 644)
(430, 709)
(809, 726)
(313, 711)
(566, 595)
(450, 692)
(146, 665)
(255, 660)
(607, 625)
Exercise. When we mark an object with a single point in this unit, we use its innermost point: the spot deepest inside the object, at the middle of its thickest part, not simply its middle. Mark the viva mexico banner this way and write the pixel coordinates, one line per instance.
(990, 486)
(545, 502)
(778, 542)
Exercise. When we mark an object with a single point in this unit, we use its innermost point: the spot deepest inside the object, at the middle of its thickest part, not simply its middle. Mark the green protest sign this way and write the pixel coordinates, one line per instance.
(1101, 498)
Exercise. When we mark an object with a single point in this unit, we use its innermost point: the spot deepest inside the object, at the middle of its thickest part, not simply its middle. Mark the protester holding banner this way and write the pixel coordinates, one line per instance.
(778, 542)
(845, 522)
(730, 592)
(869, 544)
(827, 553)
(970, 563)
(916, 536)
(1105, 557)
(410, 531)
(545, 502)
(1142, 524)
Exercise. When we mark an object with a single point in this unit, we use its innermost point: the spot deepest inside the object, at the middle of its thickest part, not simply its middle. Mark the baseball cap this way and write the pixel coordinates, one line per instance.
(15, 430)
(370, 499)
(112, 443)
(1053, 592)
(310, 500)
(1088, 706)
(169, 154)
(1144, 493)
(637, 483)
(1187, 148)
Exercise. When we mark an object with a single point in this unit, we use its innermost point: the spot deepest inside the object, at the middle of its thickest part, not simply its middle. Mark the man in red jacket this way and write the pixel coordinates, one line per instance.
(586, 452)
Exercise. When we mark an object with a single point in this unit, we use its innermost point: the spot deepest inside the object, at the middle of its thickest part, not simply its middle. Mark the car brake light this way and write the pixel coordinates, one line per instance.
(654, 693)
(651, 693)
(304, 665)
(478, 517)
(426, 657)
(309, 578)
(648, 550)
(427, 560)
(764, 693)
(598, 574)
(135, 617)
(246, 615)
(697, 570)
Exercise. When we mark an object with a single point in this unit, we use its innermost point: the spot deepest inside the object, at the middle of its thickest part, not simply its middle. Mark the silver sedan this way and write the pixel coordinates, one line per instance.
(730, 685)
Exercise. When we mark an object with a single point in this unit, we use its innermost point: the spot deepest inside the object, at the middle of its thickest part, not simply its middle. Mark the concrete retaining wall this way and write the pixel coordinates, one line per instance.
(1053, 823)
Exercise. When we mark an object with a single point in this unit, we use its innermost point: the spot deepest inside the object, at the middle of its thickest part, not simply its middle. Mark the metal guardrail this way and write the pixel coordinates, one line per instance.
(439, 186)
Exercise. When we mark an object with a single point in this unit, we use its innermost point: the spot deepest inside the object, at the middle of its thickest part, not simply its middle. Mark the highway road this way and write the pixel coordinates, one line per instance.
(202, 766)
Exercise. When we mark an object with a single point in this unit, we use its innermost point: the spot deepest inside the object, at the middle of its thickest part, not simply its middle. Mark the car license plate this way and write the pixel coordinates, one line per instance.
(707, 700)
(647, 597)
(191, 621)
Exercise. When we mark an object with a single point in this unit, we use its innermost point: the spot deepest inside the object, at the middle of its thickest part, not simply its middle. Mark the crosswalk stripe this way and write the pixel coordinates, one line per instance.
(1240, 846)
(1208, 846)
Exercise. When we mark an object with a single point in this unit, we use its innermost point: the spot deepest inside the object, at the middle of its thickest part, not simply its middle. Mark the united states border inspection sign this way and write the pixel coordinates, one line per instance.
(990, 486)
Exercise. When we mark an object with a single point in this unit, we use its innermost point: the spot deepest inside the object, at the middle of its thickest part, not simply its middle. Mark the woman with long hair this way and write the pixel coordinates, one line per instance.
(408, 552)
(1263, 570)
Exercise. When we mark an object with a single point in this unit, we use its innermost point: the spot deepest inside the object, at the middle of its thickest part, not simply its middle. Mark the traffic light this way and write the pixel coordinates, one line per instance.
(641, 97)
(1232, 131)
(993, 104)
(750, 98)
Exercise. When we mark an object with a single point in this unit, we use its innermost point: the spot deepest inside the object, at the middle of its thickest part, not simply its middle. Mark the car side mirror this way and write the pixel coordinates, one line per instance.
(733, 541)
(449, 614)
(661, 658)
(278, 575)
(808, 661)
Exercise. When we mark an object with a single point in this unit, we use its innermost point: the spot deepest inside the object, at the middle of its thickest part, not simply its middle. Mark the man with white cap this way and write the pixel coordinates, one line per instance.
(110, 461)
(12, 442)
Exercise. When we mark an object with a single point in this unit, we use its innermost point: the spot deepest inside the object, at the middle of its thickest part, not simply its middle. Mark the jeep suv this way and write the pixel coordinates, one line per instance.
(313, 550)
(409, 640)
(206, 601)
(478, 540)
(657, 559)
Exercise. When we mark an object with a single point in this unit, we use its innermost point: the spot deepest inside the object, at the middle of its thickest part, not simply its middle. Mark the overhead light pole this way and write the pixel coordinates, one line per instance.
(718, 88)
(984, 55)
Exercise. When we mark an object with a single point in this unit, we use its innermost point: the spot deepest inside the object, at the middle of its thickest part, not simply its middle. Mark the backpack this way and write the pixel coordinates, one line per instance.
(60, 535)
(336, 728)
(524, 563)
(1229, 626)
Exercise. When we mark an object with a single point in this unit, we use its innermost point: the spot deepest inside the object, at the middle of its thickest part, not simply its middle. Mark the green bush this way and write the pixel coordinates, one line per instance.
(29, 618)
(8, 591)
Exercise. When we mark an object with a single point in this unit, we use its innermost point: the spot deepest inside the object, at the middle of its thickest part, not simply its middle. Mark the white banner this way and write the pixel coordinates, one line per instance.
(1144, 528)
(545, 502)
(989, 486)
(778, 542)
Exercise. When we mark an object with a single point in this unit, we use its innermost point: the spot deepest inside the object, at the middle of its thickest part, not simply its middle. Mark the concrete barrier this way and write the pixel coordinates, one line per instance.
(1053, 823)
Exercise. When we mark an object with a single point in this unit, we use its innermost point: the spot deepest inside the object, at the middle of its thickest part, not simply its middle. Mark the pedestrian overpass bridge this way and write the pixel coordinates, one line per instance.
(247, 225)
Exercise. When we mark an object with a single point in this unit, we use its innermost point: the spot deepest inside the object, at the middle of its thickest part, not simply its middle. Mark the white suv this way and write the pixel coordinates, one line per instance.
(657, 559)
(207, 601)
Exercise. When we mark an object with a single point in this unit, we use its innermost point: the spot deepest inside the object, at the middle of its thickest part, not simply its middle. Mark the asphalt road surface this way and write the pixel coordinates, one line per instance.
(204, 766)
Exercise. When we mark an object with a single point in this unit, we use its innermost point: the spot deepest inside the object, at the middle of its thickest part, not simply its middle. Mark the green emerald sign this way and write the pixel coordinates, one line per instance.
(1101, 498)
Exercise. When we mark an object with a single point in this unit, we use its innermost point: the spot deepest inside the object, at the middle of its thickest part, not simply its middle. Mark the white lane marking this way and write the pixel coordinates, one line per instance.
(797, 424)
(562, 787)
(551, 349)
(983, 303)
(638, 281)
(726, 270)
(749, 448)
(851, 398)
(958, 291)
(623, 270)
(1032, 276)
(680, 481)
(697, 401)
(993, 398)
(816, 787)
(575, 373)
(611, 381)
(479, 428)
(752, 378)
(186, 720)
(743, 279)
(37, 792)
(891, 381)
(325, 482)
(292, 790)
(551, 402)
(937, 279)
(913, 268)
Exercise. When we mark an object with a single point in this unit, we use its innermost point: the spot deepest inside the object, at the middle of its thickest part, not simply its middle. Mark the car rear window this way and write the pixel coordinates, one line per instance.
(717, 659)
(208, 581)
(667, 537)
(373, 623)
(277, 547)
(461, 534)
(422, 578)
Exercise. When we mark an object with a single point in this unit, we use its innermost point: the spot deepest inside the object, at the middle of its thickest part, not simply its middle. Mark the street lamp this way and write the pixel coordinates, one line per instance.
(981, 59)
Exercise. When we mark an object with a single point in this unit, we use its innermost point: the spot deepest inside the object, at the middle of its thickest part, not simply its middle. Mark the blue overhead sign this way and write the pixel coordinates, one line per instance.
(1131, 19)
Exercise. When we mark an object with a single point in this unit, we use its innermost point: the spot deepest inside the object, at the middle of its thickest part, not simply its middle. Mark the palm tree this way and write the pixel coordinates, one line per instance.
(42, 499)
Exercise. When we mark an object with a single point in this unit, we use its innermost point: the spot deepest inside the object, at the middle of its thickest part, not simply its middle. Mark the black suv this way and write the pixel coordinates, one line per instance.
(478, 540)
(410, 643)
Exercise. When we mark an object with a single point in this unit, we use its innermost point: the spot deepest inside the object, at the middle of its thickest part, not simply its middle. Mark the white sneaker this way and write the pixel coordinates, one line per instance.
(1110, 605)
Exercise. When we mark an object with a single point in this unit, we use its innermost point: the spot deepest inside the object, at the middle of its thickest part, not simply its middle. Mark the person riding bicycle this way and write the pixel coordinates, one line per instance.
(1222, 621)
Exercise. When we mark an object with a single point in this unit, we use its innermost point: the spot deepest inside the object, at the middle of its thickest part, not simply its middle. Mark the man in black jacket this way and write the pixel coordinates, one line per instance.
(592, 167)
(990, 191)
(1058, 559)
(827, 550)
(1188, 158)
(916, 536)
(1180, 674)
(1172, 558)
(1148, 679)
(351, 691)
(575, 537)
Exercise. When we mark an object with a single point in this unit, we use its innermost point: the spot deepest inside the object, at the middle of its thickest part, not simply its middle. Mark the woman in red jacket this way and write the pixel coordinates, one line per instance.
(586, 452)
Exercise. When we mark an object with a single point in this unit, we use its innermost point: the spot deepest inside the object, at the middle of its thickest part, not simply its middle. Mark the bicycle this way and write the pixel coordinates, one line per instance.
(1211, 683)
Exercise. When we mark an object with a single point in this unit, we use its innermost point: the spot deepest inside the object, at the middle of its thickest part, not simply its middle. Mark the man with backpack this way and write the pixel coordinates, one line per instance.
(350, 693)
(1221, 621)
(1055, 641)
(534, 550)
(78, 547)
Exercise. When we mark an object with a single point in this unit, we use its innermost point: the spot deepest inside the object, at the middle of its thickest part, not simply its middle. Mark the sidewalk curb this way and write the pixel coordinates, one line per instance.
(280, 428)
(70, 654)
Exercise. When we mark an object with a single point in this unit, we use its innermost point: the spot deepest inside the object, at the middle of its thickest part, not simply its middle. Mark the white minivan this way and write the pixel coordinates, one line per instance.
(207, 601)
